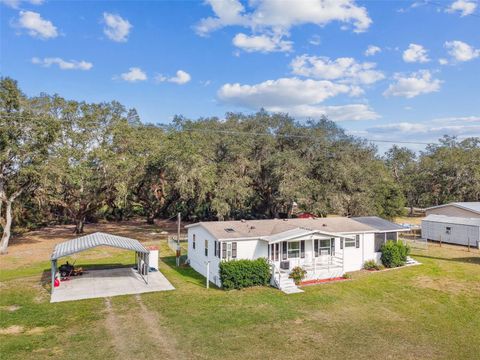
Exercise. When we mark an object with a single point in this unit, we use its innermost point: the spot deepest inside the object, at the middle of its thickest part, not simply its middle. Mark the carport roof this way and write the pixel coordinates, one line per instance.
(93, 240)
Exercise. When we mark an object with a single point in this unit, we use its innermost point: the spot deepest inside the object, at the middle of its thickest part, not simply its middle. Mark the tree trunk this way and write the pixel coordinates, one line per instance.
(79, 225)
(6, 228)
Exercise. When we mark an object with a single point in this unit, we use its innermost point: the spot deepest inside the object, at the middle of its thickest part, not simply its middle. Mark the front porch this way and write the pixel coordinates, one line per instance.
(320, 254)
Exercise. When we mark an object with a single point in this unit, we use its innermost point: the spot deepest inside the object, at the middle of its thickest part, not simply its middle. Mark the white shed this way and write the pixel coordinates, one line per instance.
(453, 230)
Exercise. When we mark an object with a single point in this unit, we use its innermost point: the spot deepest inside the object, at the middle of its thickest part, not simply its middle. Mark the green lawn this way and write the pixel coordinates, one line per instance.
(430, 311)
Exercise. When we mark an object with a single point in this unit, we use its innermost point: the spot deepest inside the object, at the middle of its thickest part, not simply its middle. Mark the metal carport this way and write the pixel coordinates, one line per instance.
(102, 239)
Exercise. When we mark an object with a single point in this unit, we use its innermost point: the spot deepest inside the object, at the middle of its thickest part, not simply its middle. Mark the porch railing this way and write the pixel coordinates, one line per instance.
(276, 275)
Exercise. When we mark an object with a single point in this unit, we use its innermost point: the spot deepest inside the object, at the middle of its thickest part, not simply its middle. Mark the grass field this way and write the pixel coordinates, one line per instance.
(430, 311)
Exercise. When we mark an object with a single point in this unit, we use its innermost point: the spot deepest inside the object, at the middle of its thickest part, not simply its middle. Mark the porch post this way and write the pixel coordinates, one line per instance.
(343, 256)
(313, 257)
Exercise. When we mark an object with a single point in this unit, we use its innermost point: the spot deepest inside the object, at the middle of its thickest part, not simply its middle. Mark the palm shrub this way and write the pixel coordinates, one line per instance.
(239, 274)
(394, 254)
(297, 274)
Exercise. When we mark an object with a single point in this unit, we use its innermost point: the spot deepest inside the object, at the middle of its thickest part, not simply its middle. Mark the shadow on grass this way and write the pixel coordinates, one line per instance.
(468, 260)
(187, 273)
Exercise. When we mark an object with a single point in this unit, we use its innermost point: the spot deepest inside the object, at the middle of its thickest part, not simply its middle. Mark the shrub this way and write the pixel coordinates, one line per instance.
(347, 276)
(297, 274)
(394, 254)
(238, 274)
(371, 265)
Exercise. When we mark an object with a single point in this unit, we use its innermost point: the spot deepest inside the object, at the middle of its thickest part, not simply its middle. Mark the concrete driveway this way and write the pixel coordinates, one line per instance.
(106, 283)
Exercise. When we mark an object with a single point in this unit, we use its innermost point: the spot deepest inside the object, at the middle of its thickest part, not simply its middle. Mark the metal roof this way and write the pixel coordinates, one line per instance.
(471, 206)
(93, 240)
(379, 223)
(452, 220)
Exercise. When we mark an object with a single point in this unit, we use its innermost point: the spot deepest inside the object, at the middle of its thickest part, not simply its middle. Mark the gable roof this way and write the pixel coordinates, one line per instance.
(473, 206)
(379, 223)
(240, 229)
(93, 240)
(452, 220)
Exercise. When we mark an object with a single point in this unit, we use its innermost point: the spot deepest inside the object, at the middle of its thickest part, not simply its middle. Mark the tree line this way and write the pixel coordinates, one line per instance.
(65, 161)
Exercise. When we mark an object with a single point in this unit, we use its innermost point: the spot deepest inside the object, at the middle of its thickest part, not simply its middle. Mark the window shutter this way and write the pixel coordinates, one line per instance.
(234, 250)
(341, 243)
(332, 246)
(206, 247)
(284, 250)
(193, 243)
(316, 247)
(357, 241)
(224, 250)
(302, 249)
(215, 248)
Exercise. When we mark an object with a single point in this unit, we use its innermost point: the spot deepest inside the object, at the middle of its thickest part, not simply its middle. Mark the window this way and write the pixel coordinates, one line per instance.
(302, 249)
(193, 242)
(293, 249)
(206, 247)
(341, 243)
(448, 230)
(349, 242)
(224, 250)
(284, 250)
(316, 247)
(324, 247)
(379, 241)
(277, 251)
(391, 236)
(332, 246)
(357, 241)
(234, 250)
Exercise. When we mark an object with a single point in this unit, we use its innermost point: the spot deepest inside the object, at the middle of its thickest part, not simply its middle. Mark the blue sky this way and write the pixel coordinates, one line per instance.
(391, 70)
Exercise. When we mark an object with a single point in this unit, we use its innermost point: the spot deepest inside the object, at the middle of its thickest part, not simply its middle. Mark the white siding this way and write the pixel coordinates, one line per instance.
(197, 256)
(459, 233)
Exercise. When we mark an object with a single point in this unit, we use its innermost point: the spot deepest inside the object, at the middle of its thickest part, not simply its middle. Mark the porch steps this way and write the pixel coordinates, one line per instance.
(287, 285)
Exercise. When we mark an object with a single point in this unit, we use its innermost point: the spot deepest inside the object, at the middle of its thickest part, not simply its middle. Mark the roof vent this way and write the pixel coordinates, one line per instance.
(285, 219)
(243, 220)
(229, 230)
(324, 224)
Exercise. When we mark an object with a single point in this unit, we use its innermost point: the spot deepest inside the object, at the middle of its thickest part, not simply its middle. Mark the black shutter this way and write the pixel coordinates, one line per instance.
(224, 250)
(302, 249)
(357, 241)
(332, 246)
(215, 248)
(193, 241)
(234, 250)
(341, 243)
(316, 247)
(284, 250)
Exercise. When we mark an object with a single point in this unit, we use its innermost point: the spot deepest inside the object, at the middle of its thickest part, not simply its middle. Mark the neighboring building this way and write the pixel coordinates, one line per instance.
(454, 230)
(325, 247)
(456, 209)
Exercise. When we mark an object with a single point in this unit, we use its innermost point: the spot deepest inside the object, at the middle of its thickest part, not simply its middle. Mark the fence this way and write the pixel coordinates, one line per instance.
(172, 243)
(414, 240)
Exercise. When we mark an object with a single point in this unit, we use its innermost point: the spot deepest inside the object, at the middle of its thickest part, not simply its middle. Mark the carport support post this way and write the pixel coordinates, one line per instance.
(469, 244)
(54, 271)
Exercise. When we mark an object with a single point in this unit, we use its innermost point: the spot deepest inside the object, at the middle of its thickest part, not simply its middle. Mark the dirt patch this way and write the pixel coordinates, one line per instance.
(10, 308)
(445, 284)
(11, 330)
(113, 325)
(35, 246)
(39, 330)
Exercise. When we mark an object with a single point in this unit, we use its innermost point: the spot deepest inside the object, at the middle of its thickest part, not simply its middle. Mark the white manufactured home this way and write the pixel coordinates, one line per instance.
(453, 230)
(325, 247)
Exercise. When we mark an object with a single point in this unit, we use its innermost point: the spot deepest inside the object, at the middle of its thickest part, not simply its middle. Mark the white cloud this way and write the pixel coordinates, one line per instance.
(36, 26)
(262, 43)
(15, 4)
(415, 53)
(278, 17)
(351, 112)
(420, 82)
(116, 28)
(283, 92)
(181, 77)
(372, 50)
(434, 128)
(315, 40)
(443, 61)
(134, 74)
(461, 51)
(464, 7)
(343, 69)
(63, 64)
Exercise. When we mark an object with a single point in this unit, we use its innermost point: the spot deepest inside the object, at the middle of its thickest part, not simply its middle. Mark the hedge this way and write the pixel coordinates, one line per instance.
(394, 254)
(238, 274)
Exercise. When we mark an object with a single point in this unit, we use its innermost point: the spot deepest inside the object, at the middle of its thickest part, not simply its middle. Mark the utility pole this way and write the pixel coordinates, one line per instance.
(179, 219)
